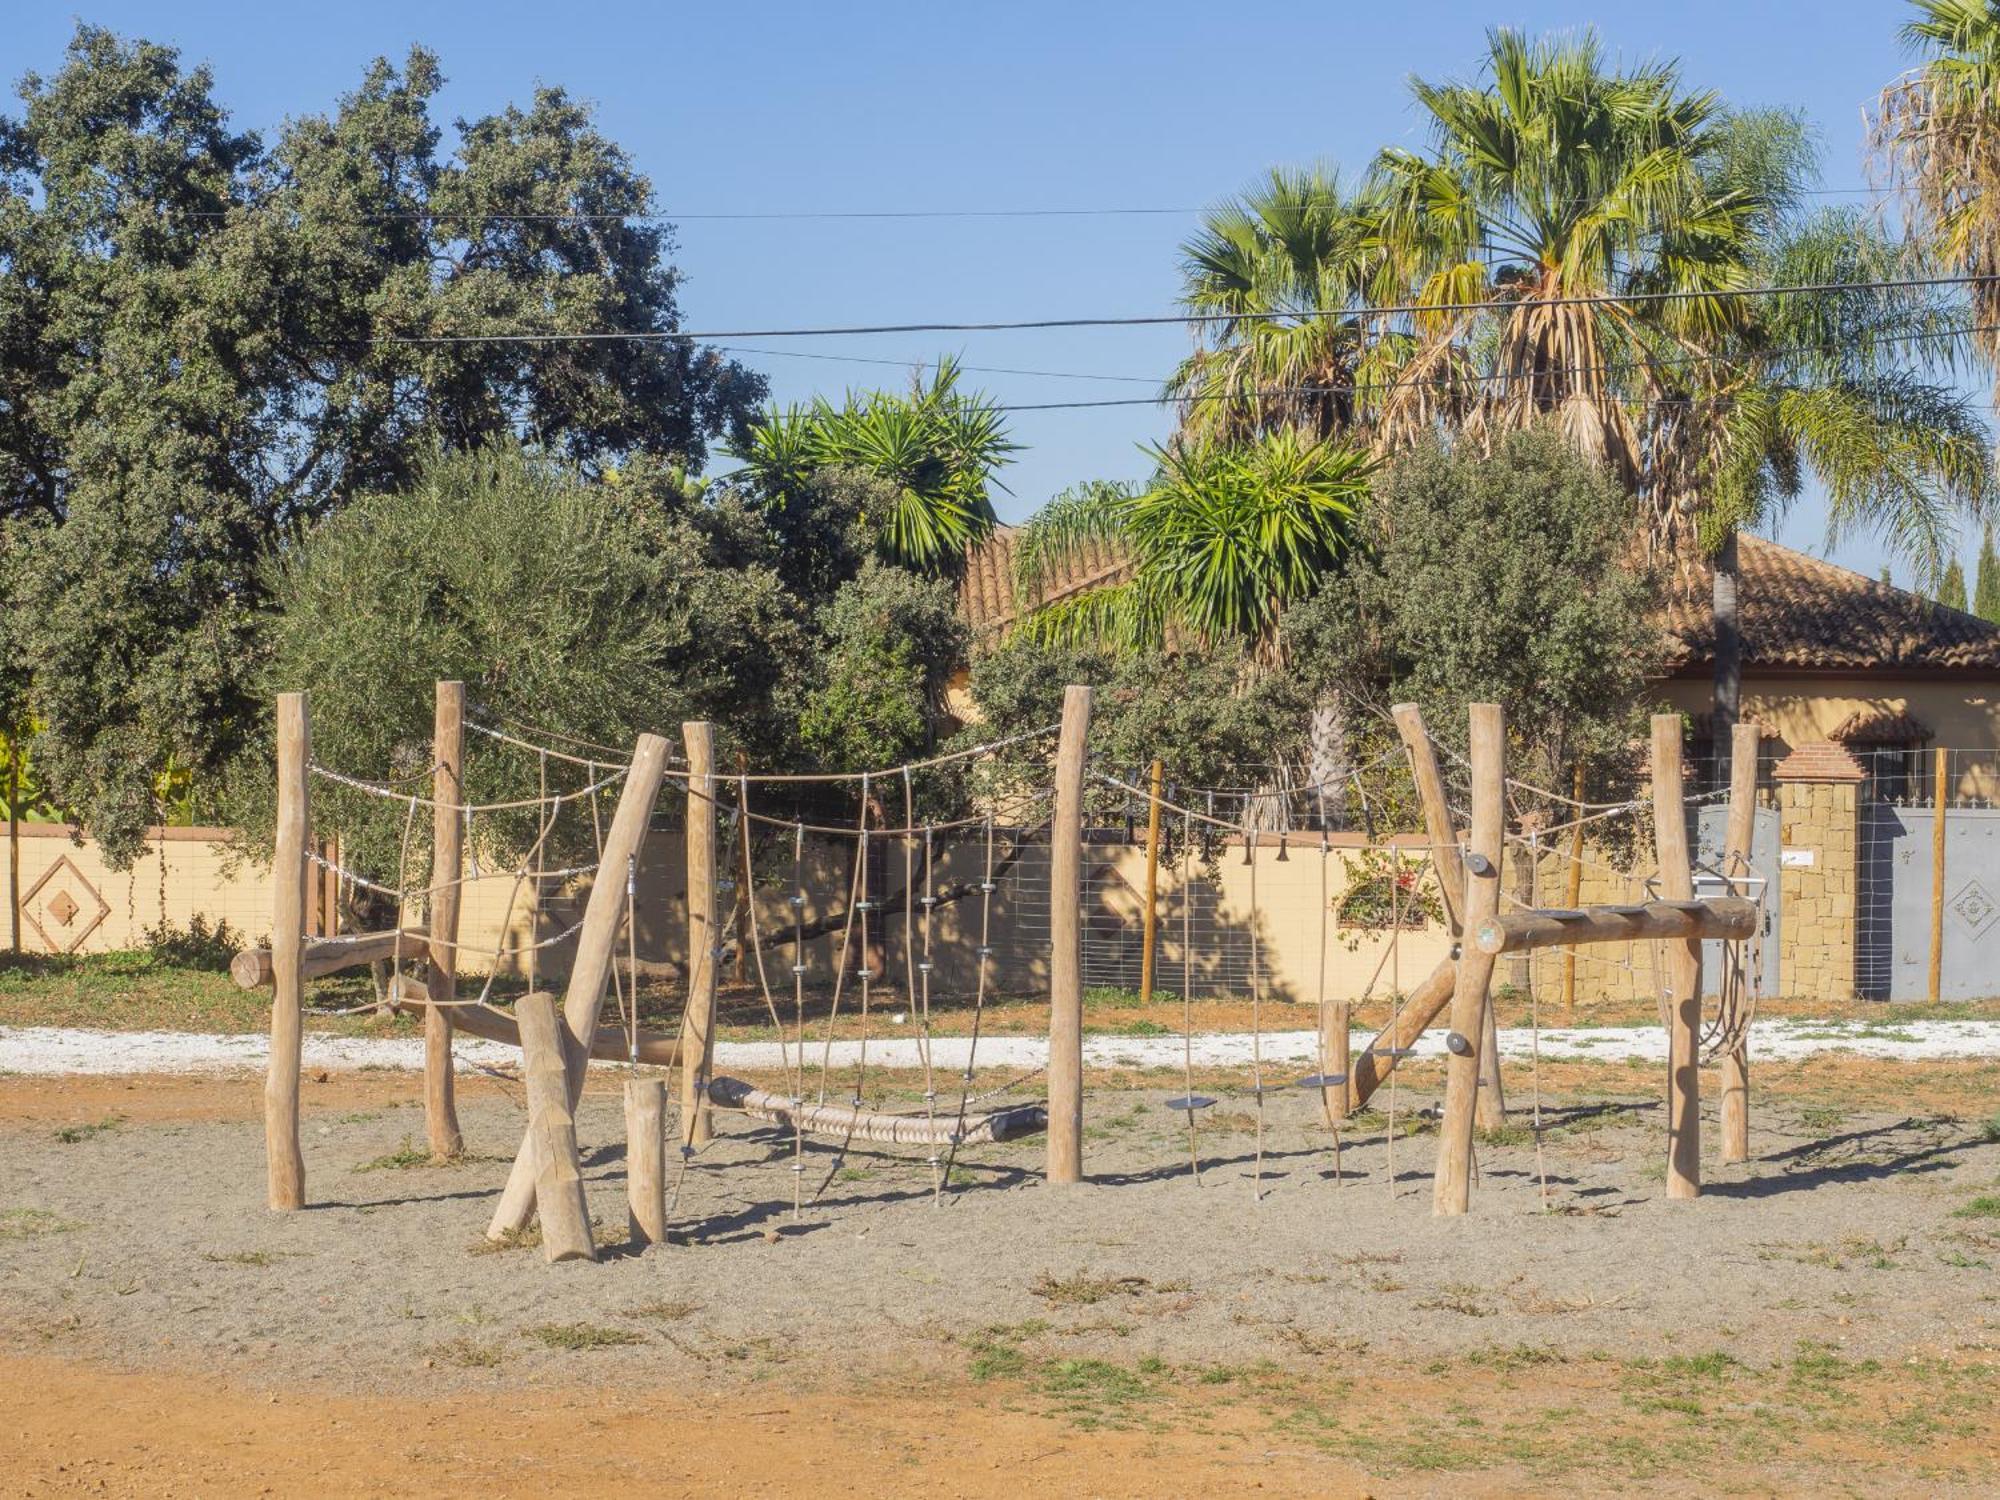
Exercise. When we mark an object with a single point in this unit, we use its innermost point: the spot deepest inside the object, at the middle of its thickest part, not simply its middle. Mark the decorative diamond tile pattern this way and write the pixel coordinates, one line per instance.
(73, 907)
(1974, 908)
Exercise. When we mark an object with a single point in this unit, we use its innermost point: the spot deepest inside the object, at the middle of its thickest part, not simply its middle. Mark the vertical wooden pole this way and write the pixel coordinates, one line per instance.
(1336, 1045)
(590, 967)
(285, 1166)
(441, 918)
(1940, 798)
(1573, 891)
(14, 838)
(1146, 959)
(1682, 967)
(704, 937)
(645, 1158)
(1452, 1186)
(1065, 1162)
(559, 1198)
(1738, 840)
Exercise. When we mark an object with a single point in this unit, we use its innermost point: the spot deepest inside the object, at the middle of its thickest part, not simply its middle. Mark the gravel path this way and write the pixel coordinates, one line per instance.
(47, 1050)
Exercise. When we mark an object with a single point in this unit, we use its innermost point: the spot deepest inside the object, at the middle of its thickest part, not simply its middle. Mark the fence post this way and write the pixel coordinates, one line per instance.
(1941, 772)
(704, 937)
(441, 917)
(1573, 889)
(1683, 965)
(1065, 1160)
(1452, 1187)
(1152, 931)
(591, 965)
(1738, 840)
(285, 1167)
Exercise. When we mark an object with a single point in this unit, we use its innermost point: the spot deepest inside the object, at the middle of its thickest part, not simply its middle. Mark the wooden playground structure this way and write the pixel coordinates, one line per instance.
(559, 1036)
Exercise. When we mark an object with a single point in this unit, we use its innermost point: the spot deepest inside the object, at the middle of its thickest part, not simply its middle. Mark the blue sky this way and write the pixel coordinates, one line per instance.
(786, 107)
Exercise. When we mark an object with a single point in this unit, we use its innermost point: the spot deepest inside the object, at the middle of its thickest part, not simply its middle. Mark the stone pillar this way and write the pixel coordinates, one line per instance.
(1819, 788)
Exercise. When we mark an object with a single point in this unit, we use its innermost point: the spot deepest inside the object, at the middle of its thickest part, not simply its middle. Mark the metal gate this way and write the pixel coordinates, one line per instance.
(1711, 826)
(1893, 905)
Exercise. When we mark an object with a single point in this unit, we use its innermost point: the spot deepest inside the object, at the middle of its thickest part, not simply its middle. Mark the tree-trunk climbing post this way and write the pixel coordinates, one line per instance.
(559, 1197)
(1147, 956)
(704, 937)
(591, 967)
(441, 918)
(1738, 840)
(1452, 1188)
(1683, 965)
(646, 1158)
(285, 1166)
(1065, 1160)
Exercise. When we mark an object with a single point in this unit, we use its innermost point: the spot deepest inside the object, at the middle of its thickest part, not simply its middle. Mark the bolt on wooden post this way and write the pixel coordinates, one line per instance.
(285, 1167)
(1452, 1186)
(1683, 965)
(1065, 1143)
(441, 918)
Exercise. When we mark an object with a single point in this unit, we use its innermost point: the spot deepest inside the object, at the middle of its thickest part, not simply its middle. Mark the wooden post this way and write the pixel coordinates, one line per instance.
(1683, 966)
(14, 837)
(704, 937)
(284, 1163)
(646, 1158)
(1573, 892)
(559, 1199)
(441, 918)
(1152, 930)
(1452, 1187)
(590, 967)
(1336, 1045)
(1940, 774)
(1437, 812)
(1065, 1161)
(1738, 840)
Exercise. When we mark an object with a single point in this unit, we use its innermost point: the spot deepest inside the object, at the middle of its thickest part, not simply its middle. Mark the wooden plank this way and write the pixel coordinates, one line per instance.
(285, 1167)
(1682, 966)
(1065, 1153)
(559, 1198)
(1150, 940)
(1739, 839)
(704, 937)
(646, 1159)
(441, 917)
(1452, 1185)
(1727, 917)
(591, 965)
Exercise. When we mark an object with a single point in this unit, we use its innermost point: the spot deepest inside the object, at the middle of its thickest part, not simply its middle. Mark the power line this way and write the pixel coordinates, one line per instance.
(1146, 320)
(911, 364)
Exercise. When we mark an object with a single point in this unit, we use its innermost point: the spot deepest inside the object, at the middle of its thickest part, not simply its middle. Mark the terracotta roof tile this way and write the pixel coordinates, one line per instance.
(1822, 760)
(1880, 726)
(986, 592)
(1801, 612)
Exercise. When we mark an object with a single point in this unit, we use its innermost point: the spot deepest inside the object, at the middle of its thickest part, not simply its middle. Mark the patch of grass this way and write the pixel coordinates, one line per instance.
(1505, 1135)
(1083, 1290)
(1458, 1297)
(1117, 999)
(514, 1239)
(402, 1159)
(31, 1223)
(574, 1336)
(70, 1135)
(1990, 1131)
(1985, 1206)
(1821, 1118)
(244, 1257)
(468, 1353)
(1520, 1357)
(1096, 1392)
(1141, 1028)
(666, 1312)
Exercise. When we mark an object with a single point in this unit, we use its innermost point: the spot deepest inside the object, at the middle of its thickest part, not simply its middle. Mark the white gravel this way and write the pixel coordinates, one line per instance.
(48, 1050)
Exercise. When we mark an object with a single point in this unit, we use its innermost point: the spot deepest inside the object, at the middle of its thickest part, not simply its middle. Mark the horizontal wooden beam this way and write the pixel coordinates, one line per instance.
(875, 1125)
(251, 969)
(1517, 931)
(608, 1044)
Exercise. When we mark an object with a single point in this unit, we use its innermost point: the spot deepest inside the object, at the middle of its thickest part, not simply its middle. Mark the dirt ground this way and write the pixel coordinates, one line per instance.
(1825, 1318)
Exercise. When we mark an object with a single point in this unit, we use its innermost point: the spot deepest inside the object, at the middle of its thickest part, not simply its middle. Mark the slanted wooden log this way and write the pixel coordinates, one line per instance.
(1419, 1010)
(656, 1049)
(1065, 1157)
(590, 968)
(1682, 968)
(253, 967)
(1727, 917)
(646, 1158)
(844, 1122)
(559, 1200)
(441, 917)
(285, 1165)
(1452, 1186)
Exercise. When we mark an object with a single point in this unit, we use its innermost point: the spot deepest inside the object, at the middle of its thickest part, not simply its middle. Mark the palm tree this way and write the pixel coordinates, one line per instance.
(1223, 538)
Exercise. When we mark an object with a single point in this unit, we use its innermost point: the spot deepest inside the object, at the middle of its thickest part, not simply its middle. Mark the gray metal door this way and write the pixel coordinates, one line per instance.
(1894, 903)
(1711, 827)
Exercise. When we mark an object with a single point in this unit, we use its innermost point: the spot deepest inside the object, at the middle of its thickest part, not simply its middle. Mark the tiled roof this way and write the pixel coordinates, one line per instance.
(1880, 726)
(1822, 760)
(1801, 612)
(986, 592)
